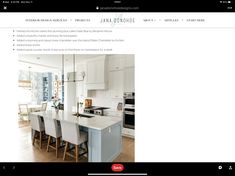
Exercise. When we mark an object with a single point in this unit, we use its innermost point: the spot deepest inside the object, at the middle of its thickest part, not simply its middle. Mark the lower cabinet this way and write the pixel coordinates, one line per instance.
(128, 132)
(104, 145)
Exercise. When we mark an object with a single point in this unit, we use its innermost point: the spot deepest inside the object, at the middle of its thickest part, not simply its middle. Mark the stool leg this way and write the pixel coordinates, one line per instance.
(65, 150)
(48, 143)
(57, 142)
(86, 145)
(34, 137)
(76, 152)
(40, 140)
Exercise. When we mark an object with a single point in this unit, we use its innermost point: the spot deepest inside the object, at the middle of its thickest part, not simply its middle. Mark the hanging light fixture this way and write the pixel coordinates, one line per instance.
(72, 76)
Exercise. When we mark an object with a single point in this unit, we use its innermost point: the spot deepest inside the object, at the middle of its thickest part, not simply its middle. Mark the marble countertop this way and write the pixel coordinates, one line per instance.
(96, 122)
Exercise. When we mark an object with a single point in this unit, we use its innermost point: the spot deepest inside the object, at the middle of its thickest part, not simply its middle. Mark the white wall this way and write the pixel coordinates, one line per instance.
(102, 98)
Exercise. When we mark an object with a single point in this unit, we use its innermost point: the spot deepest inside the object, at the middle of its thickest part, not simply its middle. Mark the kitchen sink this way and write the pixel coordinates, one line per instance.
(83, 115)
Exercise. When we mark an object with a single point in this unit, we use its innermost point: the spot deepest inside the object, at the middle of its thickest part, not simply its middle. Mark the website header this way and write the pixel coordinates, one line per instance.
(117, 6)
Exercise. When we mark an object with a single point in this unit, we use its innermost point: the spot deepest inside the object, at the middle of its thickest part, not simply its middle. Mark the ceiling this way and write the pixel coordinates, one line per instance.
(50, 62)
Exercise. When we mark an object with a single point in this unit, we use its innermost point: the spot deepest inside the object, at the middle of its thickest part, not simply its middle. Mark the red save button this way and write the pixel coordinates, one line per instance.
(117, 167)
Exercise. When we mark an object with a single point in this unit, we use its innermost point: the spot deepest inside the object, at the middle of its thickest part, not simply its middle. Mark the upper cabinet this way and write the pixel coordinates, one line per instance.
(129, 79)
(116, 84)
(129, 74)
(121, 61)
(129, 61)
(96, 74)
(121, 74)
(116, 62)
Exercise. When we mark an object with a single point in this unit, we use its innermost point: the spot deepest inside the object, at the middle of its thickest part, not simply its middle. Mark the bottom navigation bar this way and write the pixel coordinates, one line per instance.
(132, 169)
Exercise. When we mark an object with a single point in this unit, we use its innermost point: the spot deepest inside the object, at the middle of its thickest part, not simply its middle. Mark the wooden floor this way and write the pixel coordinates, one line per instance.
(29, 153)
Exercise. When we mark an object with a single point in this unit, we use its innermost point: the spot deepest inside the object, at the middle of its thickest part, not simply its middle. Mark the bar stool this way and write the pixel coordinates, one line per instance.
(38, 128)
(72, 135)
(53, 130)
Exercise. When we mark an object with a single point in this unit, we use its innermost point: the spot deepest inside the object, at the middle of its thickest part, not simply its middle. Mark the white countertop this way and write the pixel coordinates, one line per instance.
(96, 122)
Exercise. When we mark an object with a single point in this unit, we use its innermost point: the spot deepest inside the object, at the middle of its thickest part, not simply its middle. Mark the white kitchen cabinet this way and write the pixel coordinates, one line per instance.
(96, 74)
(129, 61)
(116, 62)
(116, 84)
(128, 132)
(129, 79)
(91, 72)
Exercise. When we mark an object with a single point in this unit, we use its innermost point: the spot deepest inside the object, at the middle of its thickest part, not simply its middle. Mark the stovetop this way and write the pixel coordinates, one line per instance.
(92, 107)
(96, 108)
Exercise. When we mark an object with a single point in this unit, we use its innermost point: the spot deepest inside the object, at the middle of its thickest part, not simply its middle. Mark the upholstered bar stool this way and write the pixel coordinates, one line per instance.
(38, 128)
(53, 130)
(72, 135)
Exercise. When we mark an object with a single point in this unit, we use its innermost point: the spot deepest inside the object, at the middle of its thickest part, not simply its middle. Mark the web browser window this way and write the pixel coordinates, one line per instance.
(117, 87)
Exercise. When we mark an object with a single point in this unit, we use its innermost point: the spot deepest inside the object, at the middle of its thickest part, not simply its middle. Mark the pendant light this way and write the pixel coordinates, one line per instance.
(74, 79)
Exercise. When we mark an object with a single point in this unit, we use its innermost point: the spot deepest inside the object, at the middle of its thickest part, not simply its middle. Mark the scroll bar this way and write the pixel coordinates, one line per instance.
(117, 174)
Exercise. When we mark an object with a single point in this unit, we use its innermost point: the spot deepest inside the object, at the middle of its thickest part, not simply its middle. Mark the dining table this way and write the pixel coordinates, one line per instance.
(34, 107)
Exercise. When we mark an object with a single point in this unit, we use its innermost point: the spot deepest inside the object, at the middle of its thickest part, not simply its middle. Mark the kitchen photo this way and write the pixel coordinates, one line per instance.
(76, 108)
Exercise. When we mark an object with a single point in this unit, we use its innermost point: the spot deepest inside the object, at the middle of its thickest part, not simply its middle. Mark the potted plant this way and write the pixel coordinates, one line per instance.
(56, 104)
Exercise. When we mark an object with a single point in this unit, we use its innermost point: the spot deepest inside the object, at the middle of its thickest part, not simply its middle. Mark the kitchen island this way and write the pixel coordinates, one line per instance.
(104, 134)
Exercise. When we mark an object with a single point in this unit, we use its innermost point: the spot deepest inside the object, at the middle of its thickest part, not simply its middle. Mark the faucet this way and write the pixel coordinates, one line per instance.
(77, 108)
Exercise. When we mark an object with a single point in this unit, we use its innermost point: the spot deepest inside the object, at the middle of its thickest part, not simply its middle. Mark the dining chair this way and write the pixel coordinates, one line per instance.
(53, 130)
(38, 128)
(44, 106)
(23, 112)
(71, 134)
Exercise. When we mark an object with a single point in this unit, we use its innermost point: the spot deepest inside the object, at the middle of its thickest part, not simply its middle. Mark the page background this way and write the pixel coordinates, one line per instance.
(185, 96)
